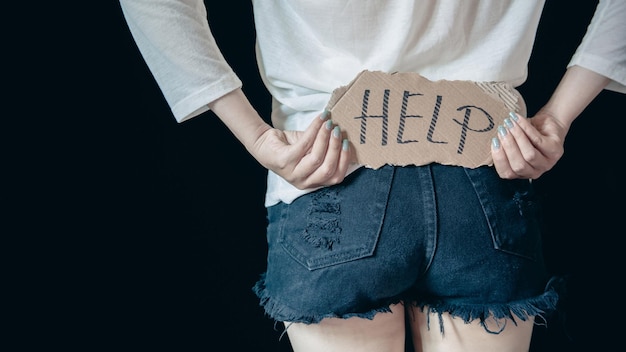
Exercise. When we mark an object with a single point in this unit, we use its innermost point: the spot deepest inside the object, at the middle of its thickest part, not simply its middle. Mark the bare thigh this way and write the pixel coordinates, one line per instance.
(460, 336)
(384, 333)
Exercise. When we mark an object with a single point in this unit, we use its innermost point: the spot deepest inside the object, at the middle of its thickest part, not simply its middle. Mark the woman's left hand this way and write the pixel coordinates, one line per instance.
(528, 147)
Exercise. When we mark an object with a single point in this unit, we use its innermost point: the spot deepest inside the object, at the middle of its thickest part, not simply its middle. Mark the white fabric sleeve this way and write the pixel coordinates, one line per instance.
(176, 43)
(603, 48)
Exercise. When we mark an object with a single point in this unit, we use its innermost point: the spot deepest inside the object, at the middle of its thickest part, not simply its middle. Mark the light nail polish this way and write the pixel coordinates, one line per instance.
(336, 132)
(495, 143)
(324, 115)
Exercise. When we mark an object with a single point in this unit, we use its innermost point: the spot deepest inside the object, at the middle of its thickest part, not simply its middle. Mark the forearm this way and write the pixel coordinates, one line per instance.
(576, 90)
(236, 112)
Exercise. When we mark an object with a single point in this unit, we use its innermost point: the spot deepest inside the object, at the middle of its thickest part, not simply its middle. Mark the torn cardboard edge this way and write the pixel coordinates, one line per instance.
(406, 119)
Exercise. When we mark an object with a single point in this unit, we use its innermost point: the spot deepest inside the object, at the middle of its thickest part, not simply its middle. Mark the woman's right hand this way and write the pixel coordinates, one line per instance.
(318, 156)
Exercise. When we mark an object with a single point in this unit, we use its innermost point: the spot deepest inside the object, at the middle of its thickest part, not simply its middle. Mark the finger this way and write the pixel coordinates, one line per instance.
(306, 139)
(514, 128)
(345, 160)
(338, 159)
(313, 159)
(520, 166)
(528, 139)
(500, 160)
(301, 143)
(326, 174)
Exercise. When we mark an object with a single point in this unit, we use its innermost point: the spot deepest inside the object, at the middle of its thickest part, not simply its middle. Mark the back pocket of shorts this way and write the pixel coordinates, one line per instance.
(512, 210)
(338, 224)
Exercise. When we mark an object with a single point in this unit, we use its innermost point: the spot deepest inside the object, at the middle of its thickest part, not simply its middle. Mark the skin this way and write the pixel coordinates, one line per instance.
(306, 159)
(315, 157)
(527, 148)
(531, 147)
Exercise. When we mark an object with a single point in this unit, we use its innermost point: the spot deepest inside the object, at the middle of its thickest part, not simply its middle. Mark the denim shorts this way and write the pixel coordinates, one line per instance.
(452, 239)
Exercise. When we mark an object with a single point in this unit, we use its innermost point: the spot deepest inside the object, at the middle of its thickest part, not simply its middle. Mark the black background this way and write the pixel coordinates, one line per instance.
(139, 233)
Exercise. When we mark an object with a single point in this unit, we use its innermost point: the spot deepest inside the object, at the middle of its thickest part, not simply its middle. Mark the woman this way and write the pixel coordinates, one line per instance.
(354, 252)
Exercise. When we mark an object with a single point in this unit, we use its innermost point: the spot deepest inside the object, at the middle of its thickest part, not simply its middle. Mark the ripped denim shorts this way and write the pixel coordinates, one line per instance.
(456, 240)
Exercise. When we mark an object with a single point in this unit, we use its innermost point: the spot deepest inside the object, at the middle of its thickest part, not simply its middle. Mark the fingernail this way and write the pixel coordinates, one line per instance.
(513, 116)
(336, 132)
(329, 124)
(495, 143)
(345, 145)
(502, 131)
(324, 114)
(508, 123)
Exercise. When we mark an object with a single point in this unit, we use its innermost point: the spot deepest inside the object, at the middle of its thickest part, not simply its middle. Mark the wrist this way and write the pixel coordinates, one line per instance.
(240, 117)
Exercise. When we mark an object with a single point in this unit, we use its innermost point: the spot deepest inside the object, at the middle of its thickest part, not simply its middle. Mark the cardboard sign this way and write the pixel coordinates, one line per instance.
(404, 118)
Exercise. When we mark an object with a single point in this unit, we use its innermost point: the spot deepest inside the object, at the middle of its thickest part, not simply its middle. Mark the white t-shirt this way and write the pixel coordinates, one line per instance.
(307, 48)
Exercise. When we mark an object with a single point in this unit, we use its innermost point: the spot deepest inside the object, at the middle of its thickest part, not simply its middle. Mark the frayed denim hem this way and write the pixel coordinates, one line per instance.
(281, 312)
(537, 307)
